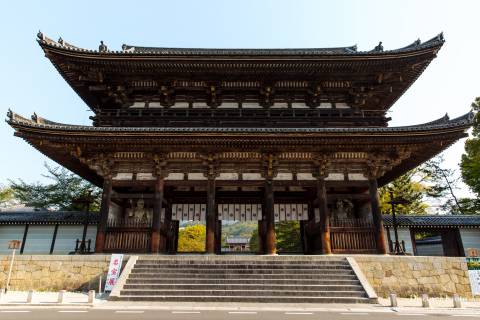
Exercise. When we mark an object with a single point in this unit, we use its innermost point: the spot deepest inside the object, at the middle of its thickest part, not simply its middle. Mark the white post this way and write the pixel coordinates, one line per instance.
(457, 303)
(61, 296)
(425, 302)
(100, 285)
(30, 296)
(7, 287)
(393, 300)
(2, 293)
(91, 296)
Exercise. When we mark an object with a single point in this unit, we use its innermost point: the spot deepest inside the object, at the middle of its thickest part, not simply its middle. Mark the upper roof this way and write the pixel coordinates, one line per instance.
(130, 50)
(368, 80)
(445, 221)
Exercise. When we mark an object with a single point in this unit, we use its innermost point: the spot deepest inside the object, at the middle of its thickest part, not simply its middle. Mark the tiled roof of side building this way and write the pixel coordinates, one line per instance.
(468, 221)
(46, 217)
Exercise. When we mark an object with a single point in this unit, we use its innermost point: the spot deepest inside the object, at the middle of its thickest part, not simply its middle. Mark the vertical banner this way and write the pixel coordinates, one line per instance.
(474, 274)
(113, 271)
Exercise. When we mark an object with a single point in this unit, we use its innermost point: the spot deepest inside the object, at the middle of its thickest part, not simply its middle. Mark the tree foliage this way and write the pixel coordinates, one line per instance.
(60, 194)
(428, 183)
(470, 163)
(192, 238)
(288, 237)
(6, 196)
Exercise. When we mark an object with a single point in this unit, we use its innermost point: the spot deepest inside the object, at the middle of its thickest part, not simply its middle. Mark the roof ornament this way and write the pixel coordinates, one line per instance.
(10, 114)
(60, 40)
(35, 117)
(102, 47)
(379, 47)
(40, 35)
(417, 42)
(440, 37)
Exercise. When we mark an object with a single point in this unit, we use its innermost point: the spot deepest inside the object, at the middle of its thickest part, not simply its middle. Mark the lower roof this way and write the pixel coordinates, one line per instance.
(47, 217)
(434, 221)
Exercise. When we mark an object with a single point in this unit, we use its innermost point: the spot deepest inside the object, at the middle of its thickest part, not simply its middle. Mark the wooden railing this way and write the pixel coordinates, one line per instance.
(352, 236)
(128, 235)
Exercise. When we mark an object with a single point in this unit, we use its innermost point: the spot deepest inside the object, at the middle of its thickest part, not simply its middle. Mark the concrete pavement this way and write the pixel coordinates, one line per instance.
(148, 313)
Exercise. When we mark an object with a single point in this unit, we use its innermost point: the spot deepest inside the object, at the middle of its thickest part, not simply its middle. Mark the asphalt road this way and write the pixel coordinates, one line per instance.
(93, 314)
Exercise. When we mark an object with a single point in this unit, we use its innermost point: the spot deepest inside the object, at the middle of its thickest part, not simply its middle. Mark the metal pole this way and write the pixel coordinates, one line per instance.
(7, 287)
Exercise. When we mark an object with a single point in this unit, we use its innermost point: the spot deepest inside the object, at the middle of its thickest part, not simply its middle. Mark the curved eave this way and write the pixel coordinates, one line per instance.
(340, 53)
(442, 125)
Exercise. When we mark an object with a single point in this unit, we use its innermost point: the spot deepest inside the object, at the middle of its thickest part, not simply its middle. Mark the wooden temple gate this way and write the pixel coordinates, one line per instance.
(217, 133)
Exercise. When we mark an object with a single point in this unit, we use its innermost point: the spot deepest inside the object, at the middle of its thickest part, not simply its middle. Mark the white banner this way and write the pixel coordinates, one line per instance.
(473, 264)
(113, 271)
(474, 281)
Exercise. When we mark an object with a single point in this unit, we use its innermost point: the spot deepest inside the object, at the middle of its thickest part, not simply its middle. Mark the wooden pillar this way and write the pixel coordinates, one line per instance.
(157, 212)
(104, 209)
(218, 236)
(324, 216)
(377, 216)
(261, 236)
(211, 217)
(270, 238)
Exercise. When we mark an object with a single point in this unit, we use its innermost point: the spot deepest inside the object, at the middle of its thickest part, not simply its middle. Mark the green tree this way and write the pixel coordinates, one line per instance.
(470, 163)
(407, 188)
(192, 238)
(6, 196)
(60, 194)
(288, 237)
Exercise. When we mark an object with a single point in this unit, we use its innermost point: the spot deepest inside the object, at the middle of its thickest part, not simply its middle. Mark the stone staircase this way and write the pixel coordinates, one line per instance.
(281, 279)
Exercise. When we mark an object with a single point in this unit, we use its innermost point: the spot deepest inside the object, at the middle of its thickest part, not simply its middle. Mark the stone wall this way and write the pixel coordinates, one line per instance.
(54, 272)
(411, 276)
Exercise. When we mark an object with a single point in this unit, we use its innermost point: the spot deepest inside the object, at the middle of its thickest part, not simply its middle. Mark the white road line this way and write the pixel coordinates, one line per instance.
(465, 315)
(129, 311)
(72, 311)
(15, 311)
(411, 314)
(298, 312)
(242, 312)
(180, 312)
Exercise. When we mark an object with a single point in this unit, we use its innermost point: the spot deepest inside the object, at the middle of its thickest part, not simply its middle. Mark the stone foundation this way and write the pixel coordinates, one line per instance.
(411, 276)
(54, 272)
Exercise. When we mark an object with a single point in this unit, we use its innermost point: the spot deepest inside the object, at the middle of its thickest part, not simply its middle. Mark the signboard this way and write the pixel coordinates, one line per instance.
(14, 244)
(113, 271)
(474, 274)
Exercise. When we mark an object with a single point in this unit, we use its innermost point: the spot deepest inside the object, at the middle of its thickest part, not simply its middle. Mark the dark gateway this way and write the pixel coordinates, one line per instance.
(241, 135)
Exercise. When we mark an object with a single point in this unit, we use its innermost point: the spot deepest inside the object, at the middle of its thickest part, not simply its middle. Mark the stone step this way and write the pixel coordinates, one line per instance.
(283, 276)
(236, 266)
(239, 286)
(186, 292)
(247, 298)
(144, 281)
(240, 262)
(192, 271)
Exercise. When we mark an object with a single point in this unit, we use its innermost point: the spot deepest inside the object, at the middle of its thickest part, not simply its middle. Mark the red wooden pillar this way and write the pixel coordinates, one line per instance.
(211, 217)
(377, 216)
(157, 212)
(270, 237)
(104, 209)
(261, 236)
(324, 217)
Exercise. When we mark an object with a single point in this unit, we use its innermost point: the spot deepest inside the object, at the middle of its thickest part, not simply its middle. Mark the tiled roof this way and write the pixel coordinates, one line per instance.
(442, 123)
(141, 50)
(434, 221)
(46, 217)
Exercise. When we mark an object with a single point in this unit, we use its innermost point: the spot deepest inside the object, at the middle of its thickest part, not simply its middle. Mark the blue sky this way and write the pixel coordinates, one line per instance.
(29, 83)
